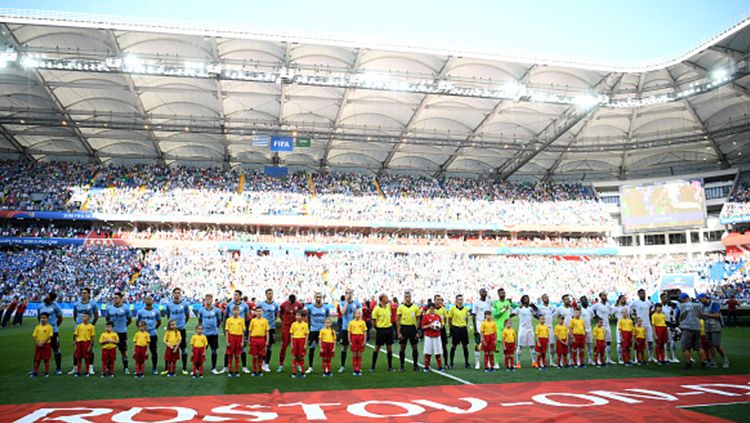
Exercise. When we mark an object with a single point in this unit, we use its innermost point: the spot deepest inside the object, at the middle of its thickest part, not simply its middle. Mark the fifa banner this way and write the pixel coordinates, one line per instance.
(659, 399)
(39, 242)
(685, 282)
(282, 144)
(734, 219)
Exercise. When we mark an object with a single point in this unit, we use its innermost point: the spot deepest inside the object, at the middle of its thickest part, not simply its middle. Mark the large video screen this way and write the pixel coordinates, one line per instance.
(669, 205)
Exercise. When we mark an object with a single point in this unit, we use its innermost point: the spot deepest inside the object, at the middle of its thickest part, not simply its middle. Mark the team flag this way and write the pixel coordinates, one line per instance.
(261, 140)
(303, 142)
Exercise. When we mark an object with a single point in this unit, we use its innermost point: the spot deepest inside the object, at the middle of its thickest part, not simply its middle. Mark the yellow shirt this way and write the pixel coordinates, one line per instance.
(442, 312)
(327, 335)
(407, 315)
(458, 317)
(576, 325)
(703, 328)
(357, 327)
(42, 334)
(542, 331)
(658, 319)
(299, 330)
(84, 332)
(488, 327)
(508, 335)
(141, 339)
(235, 326)
(172, 337)
(382, 316)
(640, 332)
(198, 341)
(259, 327)
(599, 334)
(562, 332)
(625, 325)
(109, 336)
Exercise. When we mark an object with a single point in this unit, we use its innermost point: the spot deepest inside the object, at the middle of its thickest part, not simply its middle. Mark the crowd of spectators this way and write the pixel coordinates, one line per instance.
(188, 191)
(42, 186)
(32, 273)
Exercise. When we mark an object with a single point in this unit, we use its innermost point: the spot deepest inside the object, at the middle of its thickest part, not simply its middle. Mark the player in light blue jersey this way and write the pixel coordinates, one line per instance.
(210, 317)
(348, 307)
(179, 311)
(118, 313)
(55, 314)
(317, 313)
(152, 317)
(270, 310)
(81, 307)
(245, 314)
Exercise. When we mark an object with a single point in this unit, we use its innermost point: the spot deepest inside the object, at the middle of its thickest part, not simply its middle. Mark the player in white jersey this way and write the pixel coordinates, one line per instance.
(669, 308)
(548, 311)
(604, 311)
(620, 305)
(526, 338)
(477, 311)
(642, 308)
(565, 310)
(586, 316)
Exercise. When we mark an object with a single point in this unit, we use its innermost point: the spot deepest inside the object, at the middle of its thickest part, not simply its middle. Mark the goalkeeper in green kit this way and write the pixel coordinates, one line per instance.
(501, 311)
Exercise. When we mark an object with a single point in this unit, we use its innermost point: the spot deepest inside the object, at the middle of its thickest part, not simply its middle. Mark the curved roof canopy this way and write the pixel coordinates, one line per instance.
(105, 89)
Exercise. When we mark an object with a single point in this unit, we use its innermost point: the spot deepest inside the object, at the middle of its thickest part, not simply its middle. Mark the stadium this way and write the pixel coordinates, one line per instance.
(274, 227)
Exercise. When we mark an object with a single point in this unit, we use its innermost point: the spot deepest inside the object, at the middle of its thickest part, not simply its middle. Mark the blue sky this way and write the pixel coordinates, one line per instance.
(600, 31)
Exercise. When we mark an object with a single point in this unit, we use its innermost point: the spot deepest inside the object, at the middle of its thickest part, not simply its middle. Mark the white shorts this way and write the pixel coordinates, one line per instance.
(552, 338)
(526, 337)
(649, 333)
(608, 333)
(432, 345)
(589, 336)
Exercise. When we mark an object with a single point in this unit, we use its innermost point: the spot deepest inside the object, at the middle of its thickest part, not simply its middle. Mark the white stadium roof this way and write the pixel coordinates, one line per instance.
(84, 87)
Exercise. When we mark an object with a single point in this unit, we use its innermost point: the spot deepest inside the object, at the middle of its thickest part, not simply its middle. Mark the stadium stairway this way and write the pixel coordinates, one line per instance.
(376, 184)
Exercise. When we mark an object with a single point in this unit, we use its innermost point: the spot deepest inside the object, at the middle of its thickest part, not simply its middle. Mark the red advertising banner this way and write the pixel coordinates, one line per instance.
(626, 400)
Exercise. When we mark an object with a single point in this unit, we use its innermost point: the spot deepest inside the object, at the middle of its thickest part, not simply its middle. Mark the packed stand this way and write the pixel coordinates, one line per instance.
(46, 186)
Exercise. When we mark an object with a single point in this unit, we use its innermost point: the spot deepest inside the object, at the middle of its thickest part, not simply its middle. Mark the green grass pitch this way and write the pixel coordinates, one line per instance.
(16, 350)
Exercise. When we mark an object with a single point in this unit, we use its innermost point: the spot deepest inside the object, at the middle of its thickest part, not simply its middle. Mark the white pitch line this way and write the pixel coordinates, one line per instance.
(513, 404)
(711, 405)
(682, 394)
(449, 376)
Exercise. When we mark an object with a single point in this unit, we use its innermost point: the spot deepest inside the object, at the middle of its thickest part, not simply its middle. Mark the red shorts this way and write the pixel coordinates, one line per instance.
(640, 344)
(234, 344)
(109, 354)
(140, 354)
(489, 343)
(326, 349)
(358, 343)
(661, 334)
(542, 345)
(705, 345)
(286, 337)
(509, 348)
(43, 353)
(170, 356)
(579, 342)
(562, 349)
(258, 346)
(82, 350)
(626, 338)
(601, 345)
(199, 355)
(298, 347)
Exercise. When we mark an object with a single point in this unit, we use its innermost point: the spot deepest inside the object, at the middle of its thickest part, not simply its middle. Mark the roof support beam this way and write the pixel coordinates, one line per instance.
(587, 121)
(481, 125)
(631, 129)
(67, 120)
(723, 163)
(220, 105)
(138, 103)
(340, 112)
(282, 96)
(415, 116)
(739, 89)
(14, 142)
